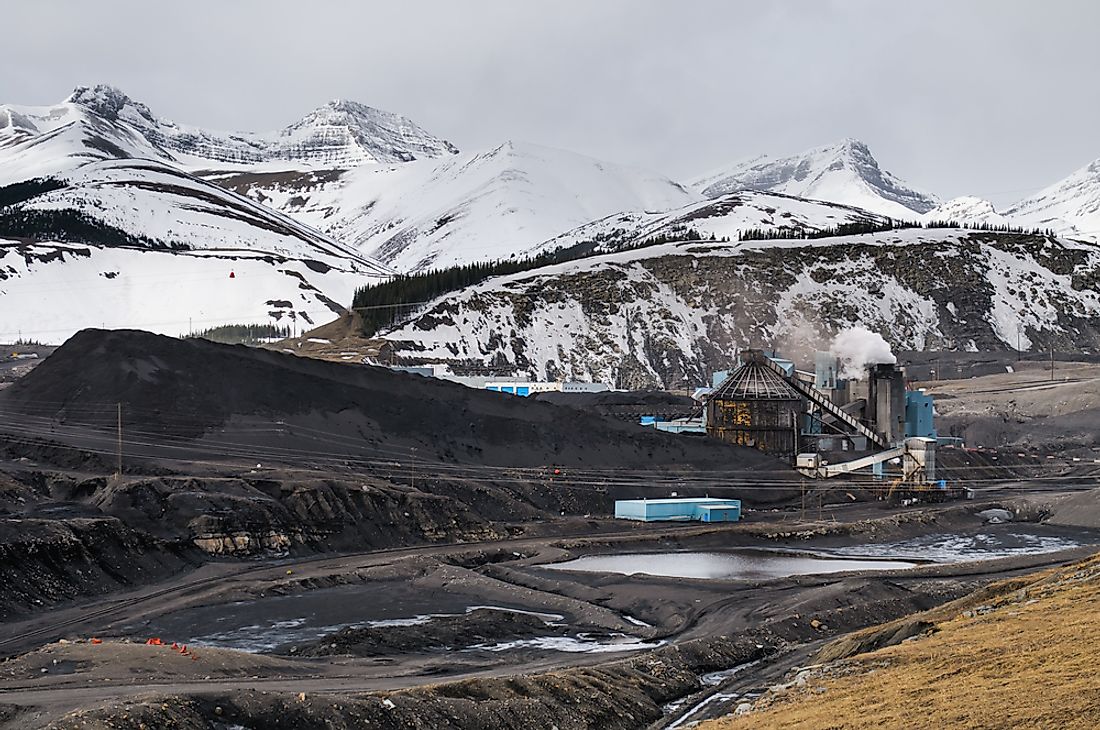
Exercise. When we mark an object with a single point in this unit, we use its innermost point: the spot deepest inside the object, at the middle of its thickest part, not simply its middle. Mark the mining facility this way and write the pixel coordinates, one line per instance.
(827, 425)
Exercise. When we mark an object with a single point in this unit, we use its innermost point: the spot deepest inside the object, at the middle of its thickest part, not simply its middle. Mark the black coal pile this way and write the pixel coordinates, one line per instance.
(234, 452)
(192, 397)
(625, 406)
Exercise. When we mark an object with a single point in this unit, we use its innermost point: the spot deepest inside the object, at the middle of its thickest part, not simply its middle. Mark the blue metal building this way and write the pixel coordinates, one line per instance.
(918, 414)
(686, 509)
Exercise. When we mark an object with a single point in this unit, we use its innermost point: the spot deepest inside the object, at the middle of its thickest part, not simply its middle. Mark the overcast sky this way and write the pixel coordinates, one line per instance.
(994, 98)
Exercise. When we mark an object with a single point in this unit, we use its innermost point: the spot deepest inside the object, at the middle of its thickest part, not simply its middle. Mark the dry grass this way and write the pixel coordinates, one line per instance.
(1025, 660)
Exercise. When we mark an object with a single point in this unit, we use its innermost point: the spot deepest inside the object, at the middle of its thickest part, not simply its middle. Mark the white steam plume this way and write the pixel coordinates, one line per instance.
(856, 348)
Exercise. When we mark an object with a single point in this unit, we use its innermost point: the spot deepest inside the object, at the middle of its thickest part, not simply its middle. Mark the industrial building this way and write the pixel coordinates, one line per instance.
(689, 424)
(812, 419)
(756, 406)
(686, 509)
(529, 387)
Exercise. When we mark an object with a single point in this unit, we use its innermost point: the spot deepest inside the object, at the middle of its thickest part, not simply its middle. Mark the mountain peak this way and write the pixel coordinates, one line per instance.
(843, 172)
(339, 134)
(107, 101)
(1070, 206)
(364, 134)
(851, 143)
(349, 106)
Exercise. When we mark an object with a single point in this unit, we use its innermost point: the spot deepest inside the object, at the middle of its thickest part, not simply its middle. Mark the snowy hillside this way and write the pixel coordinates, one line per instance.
(340, 134)
(1071, 207)
(845, 173)
(87, 196)
(722, 218)
(967, 209)
(673, 313)
(154, 248)
(48, 291)
(469, 207)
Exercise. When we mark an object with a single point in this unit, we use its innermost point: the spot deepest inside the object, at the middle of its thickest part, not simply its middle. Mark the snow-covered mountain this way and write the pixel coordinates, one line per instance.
(967, 209)
(340, 134)
(469, 207)
(89, 202)
(1071, 207)
(673, 313)
(721, 218)
(845, 173)
(129, 219)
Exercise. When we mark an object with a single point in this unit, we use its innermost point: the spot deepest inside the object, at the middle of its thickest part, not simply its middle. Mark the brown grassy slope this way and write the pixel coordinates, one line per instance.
(1026, 659)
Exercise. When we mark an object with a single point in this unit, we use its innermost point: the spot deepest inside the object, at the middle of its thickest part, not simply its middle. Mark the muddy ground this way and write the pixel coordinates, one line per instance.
(464, 633)
(315, 545)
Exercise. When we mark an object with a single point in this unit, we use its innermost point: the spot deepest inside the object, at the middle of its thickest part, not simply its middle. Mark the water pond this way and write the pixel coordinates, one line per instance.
(733, 565)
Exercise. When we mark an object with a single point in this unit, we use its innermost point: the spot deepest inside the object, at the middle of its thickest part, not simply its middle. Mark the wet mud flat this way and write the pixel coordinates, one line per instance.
(546, 600)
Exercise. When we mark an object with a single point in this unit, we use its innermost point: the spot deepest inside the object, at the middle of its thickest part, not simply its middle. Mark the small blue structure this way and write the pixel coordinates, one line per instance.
(918, 414)
(720, 512)
(675, 425)
(682, 425)
(513, 389)
(685, 509)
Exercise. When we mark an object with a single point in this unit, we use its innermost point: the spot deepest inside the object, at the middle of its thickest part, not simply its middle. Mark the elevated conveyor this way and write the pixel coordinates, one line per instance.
(812, 394)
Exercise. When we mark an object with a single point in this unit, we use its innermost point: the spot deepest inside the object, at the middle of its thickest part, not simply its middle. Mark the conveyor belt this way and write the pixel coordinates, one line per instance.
(818, 398)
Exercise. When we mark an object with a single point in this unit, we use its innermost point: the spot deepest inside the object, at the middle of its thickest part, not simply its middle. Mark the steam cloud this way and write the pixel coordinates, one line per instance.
(856, 348)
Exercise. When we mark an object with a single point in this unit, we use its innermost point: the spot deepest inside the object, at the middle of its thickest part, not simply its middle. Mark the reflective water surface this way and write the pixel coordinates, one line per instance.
(740, 564)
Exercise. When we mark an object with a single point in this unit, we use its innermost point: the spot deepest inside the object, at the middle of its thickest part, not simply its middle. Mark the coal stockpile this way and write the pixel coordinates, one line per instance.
(196, 394)
(625, 406)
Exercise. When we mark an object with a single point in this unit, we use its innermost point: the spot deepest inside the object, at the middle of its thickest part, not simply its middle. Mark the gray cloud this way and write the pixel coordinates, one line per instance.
(993, 98)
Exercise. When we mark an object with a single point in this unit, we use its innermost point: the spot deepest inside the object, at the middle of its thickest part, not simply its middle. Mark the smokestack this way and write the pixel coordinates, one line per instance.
(886, 400)
(857, 348)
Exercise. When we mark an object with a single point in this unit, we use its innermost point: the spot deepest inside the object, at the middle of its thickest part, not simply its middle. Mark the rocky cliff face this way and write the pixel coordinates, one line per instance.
(670, 315)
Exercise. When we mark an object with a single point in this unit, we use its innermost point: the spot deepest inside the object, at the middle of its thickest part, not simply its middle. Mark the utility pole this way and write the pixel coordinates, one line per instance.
(1052, 361)
(119, 472)
(802, 485)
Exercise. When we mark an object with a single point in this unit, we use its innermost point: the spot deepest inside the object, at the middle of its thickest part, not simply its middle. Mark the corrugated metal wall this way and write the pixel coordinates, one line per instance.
(768, 425)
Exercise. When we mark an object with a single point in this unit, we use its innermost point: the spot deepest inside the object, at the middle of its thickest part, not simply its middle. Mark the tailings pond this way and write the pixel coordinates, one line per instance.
(736, 565)
(994, 542)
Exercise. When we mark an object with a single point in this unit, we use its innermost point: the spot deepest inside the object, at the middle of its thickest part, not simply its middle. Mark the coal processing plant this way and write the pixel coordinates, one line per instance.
(827, 425)
(823, 423)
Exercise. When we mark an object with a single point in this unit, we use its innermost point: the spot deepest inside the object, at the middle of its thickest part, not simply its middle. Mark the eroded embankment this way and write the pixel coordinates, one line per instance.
(1019, 653)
